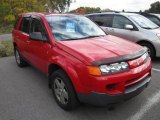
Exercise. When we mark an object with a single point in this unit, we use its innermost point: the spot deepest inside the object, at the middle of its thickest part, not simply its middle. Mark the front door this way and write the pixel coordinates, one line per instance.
(38, 50)
(118, 28)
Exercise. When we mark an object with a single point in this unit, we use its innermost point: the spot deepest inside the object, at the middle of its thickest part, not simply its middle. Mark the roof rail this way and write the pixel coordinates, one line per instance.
(105, 12)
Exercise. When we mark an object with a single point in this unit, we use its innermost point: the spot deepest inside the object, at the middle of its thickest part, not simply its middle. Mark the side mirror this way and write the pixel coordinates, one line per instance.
(129, 27)
(37, 36)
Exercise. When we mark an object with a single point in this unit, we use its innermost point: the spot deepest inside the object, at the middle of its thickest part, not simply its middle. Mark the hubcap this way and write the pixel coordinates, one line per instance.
(17, 57)
(60, 91)
(149, 51)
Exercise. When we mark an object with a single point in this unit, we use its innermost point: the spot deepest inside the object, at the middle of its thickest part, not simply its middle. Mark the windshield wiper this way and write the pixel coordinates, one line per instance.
(83, 37)
(92, 36)
(146, 27)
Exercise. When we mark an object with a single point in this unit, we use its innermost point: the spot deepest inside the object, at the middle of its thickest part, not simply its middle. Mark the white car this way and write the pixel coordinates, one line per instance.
(130, 26)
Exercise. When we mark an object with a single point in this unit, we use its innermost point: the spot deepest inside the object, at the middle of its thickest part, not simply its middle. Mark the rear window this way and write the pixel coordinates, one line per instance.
(25, 25)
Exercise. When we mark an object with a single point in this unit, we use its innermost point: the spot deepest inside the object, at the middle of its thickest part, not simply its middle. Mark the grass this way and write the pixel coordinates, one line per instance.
(5, 29)
(6, 48)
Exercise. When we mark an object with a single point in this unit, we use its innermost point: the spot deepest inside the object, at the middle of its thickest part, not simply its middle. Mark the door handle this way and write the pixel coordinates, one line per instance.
(112, 30)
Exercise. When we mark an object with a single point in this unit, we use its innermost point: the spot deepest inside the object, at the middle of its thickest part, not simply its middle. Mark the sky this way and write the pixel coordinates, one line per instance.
(117, 5)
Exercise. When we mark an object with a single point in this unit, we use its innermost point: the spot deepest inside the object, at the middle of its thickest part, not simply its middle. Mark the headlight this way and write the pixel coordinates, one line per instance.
(158, 34)
(114, 68)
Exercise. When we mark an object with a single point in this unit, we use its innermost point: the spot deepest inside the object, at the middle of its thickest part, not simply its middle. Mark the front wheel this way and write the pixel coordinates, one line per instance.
(63, 91)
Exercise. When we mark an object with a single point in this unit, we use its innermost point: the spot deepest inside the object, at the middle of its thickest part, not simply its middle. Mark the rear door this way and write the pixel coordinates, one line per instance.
(107, 20)
(38, 50)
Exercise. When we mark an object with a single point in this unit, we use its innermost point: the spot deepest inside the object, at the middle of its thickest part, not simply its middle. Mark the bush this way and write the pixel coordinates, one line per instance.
(6, 28)
(6, 48)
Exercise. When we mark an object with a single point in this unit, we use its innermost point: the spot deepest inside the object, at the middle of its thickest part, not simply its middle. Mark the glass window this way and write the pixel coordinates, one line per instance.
(25, 25)
(73, 27)
(36, 26)
(107, 20)
(103, 20)
(120, 22)
(154, 19)
(143, 22)
(97, 19)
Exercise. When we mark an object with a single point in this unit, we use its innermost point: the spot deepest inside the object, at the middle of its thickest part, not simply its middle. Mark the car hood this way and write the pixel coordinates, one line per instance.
(98, 48)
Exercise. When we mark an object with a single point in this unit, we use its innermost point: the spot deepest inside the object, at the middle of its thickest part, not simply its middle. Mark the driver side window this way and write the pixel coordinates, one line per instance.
(36, 26)
(120, 22)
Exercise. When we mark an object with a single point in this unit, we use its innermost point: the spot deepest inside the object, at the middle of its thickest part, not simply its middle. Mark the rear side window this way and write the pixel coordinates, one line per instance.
(107, 20)
(25, 25)
(103, 20)
(120, 22)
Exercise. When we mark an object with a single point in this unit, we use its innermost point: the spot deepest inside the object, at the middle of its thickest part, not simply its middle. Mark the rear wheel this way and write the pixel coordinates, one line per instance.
(151, 49)
(19, 60)
(63, 91)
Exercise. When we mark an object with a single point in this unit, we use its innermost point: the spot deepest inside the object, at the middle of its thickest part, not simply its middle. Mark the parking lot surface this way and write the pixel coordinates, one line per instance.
(24, 95)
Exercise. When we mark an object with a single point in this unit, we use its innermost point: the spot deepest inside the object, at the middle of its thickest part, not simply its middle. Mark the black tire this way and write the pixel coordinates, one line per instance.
(151, 49)
(19, 60)
(72, 101)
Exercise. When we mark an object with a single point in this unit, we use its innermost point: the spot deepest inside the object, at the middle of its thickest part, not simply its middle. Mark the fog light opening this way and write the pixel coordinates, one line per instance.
(111, 87)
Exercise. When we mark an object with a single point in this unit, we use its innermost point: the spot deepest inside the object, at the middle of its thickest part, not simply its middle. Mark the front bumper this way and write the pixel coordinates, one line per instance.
(100, 99)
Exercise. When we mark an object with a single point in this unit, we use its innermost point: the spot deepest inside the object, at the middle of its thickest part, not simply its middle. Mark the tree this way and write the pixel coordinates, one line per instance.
(85, 10)
(10, 8)
(58, 5)
(155, 8)
(107, 10)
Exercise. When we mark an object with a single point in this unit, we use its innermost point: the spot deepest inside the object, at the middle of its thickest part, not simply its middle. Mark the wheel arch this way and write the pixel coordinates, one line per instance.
(69, 70)
(148, 42)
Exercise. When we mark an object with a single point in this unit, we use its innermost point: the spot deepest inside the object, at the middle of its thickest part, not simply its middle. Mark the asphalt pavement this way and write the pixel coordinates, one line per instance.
(24, 95)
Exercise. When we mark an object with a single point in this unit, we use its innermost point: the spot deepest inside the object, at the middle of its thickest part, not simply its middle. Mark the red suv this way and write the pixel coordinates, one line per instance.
(82, 63)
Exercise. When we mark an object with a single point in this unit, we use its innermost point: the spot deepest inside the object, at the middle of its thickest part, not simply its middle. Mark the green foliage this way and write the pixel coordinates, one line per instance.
(9, 18)
(6, 48)
(6, 28)
(10, 8)
(85, 10)
(155, 8)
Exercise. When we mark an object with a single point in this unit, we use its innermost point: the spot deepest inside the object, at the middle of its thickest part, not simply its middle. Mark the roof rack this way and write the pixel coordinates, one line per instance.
(105, 12)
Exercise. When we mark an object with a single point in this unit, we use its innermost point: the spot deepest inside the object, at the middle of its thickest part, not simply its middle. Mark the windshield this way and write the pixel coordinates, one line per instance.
(154, 19)
(143, 22)
(158, 15)
(73, 27)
